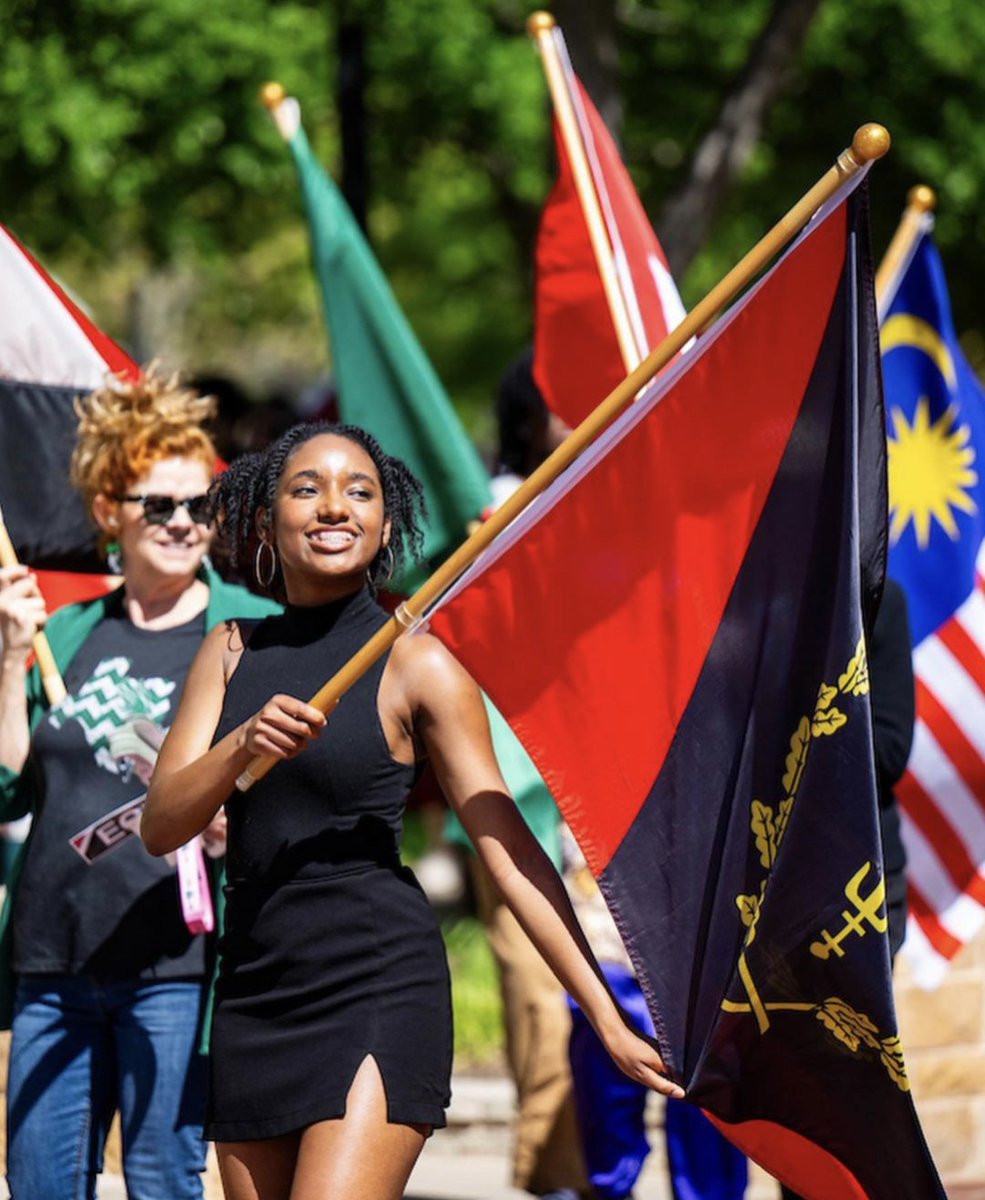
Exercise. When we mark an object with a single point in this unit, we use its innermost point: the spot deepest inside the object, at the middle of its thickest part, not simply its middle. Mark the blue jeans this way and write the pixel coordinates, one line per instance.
(80, 1051)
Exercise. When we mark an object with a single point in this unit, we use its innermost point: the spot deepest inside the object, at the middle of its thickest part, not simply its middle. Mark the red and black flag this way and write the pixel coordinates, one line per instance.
(50, 352)
(698, 704)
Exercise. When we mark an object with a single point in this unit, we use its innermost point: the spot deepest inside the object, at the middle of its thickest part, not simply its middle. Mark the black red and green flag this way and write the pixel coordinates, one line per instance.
(698, 703)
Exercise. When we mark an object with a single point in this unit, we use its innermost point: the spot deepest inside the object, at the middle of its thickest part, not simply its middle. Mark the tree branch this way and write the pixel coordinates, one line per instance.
(725, 149)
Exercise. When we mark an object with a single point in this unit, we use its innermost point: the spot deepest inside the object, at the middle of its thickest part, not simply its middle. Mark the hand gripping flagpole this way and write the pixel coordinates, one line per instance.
(870, 142)
(51, 679)
(547, 34)
(917, 220)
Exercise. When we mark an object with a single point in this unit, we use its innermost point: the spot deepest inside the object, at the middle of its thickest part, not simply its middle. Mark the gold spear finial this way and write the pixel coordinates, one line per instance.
(922, 198)
(272, 95)
(540, 22)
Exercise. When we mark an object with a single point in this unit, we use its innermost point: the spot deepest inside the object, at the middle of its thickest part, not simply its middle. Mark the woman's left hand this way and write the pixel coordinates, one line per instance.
(637, 1058)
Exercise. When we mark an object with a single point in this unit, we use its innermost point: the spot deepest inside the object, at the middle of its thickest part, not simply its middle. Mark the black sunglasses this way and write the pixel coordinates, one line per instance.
(158, 510)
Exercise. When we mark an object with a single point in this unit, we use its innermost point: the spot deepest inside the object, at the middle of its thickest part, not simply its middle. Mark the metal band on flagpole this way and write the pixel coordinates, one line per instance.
(870, 142)
(544, 30)
(917, 220)
(51, 679)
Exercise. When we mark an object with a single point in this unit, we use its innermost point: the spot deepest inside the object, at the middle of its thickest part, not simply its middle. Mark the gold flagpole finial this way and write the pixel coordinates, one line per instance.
(540, 22)
(922, 198)
(915, 222)
(272, 95)
(870, 142)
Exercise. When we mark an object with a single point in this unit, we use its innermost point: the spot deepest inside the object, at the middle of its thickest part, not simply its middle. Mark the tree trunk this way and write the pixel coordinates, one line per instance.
(689, 213)
(354, 183)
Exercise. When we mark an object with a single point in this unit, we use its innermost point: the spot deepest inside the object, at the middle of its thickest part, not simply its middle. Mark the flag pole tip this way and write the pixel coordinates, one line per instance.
(922, 198)
(540, 22)
(272, 95)
(870, 142)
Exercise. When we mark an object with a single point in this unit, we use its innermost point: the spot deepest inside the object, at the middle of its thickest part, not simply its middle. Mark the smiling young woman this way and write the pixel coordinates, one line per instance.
(109, 980)
(331, 1047)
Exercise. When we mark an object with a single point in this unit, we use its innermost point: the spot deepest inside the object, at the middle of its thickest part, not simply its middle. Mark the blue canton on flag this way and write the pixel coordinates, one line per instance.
(935, 417)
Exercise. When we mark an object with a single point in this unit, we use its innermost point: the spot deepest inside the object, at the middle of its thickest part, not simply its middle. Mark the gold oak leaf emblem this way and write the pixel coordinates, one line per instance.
(856, 676)
(783, 818)
(750, 908)
(764, 827)
(827, 720)
(847, 1025)
(797, 757)
(892, 1060)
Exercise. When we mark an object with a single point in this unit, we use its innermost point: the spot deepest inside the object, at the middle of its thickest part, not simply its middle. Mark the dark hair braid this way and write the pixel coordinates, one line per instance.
(249, 484)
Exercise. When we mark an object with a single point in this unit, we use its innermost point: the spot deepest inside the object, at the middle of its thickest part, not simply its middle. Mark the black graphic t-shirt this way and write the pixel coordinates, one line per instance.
(118, 917)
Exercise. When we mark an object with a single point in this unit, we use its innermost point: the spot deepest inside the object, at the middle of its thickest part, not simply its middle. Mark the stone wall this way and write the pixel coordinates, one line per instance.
(943, 1035)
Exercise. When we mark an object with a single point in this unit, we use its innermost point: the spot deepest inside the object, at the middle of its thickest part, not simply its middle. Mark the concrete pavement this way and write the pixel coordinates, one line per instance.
(470, 1160)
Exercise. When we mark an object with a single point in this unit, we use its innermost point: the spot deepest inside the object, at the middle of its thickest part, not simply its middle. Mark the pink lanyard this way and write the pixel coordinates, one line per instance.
(193, 884)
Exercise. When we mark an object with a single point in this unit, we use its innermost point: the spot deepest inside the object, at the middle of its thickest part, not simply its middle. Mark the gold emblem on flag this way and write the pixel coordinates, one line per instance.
(768, 826)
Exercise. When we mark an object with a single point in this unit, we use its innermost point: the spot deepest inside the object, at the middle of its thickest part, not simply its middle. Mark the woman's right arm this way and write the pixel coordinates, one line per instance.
(192, 778)
(22, 614)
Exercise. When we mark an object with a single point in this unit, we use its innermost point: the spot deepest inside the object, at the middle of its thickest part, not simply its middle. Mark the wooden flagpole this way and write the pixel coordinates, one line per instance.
(54, 686)
(920, 201)
(544, 30)
(870, 142)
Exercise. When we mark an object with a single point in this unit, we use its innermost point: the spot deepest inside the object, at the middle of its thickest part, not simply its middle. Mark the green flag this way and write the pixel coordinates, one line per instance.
(385, 381)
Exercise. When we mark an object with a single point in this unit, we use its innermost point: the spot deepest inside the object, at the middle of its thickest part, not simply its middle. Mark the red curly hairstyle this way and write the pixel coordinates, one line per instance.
(128, 425)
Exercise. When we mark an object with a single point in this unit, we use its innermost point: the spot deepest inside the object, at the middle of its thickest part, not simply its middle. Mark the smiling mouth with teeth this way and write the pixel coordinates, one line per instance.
(338, 539)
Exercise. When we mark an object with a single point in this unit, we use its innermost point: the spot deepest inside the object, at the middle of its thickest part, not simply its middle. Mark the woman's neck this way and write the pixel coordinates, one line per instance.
(164, 603)
(305, 593)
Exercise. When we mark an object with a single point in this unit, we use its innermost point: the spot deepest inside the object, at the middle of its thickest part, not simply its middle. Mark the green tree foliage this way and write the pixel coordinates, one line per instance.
(133, 154)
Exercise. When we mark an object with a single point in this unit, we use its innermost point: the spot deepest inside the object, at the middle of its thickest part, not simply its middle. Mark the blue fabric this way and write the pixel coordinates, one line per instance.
(611, 1111)
(610, 1105)
(81, 1050)
(703, 1165)
(935, 414)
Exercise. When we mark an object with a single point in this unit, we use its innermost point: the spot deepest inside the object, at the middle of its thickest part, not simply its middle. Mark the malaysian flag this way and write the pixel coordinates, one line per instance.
(935, 418)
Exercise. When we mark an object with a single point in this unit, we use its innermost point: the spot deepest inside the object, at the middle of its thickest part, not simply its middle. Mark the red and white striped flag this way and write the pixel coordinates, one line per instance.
(578, 356)
(50, 352)
(936, 427)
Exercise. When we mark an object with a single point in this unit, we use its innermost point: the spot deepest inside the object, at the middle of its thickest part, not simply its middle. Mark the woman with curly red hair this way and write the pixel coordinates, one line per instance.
(101, 974)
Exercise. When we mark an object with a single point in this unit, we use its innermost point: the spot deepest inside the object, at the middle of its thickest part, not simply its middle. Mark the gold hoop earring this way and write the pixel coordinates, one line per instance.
(265, 582)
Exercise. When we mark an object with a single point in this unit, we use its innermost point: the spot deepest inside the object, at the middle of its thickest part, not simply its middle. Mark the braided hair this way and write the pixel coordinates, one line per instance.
(250, 484)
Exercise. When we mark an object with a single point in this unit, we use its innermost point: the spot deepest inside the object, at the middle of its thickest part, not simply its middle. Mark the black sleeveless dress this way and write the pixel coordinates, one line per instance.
(330, 951)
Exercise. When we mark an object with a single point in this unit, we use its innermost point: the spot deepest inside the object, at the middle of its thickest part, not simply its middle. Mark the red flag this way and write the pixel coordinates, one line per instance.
(577, 359)
(698, 705)
(50, 352)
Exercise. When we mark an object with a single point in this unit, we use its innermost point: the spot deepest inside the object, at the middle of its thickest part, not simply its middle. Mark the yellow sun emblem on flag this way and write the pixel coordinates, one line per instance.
(929, 472)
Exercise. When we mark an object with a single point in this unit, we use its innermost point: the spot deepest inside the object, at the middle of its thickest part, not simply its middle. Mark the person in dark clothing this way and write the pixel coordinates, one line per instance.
(893, 716)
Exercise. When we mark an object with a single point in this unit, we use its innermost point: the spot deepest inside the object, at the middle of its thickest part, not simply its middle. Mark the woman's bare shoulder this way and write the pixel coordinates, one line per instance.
(427, 667)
